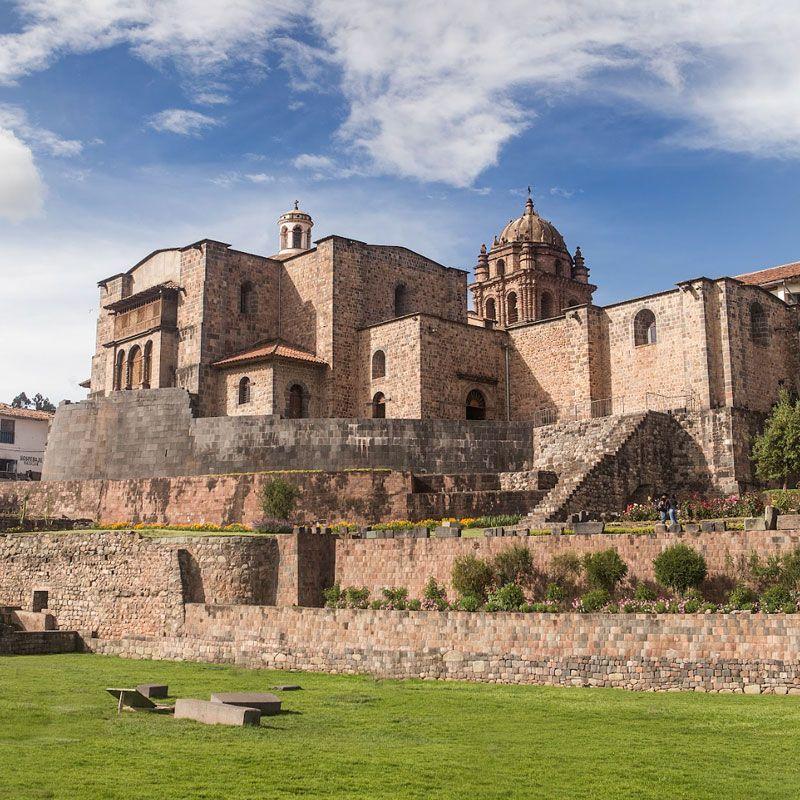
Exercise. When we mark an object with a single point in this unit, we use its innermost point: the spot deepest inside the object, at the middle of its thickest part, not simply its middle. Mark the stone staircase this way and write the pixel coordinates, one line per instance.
(585, 448)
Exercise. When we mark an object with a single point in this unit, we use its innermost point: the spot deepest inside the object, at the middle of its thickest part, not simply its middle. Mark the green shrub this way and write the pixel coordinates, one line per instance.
(790, 569)
(775, 599)
(356, 597)
(495, 521)
(604, 569)
(680, 567)
(692, 606)
(594, 600)
(509, 597)
(414, 605)
(376, 605)
(785, 500)
(332, 596)
(513, 565)
(472, 576)
(742, 597)
(555, 593)
(278, 498)
(395, 598)
(644, 592)
(434, 595)
(565, 567)
(469, 602)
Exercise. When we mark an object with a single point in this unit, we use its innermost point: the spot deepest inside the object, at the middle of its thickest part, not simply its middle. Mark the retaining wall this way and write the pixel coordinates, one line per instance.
(715, 652)
(152, 433)
(38, 643)
(376, 563)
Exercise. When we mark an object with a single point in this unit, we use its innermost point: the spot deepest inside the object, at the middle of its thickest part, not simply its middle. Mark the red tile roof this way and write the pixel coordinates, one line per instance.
(771, 275)
(23, 413)
(264, 351)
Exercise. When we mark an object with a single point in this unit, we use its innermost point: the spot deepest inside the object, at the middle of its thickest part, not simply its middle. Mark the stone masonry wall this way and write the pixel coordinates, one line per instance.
(750, 653)
(359, 496)
(151, 433)
(376, 563)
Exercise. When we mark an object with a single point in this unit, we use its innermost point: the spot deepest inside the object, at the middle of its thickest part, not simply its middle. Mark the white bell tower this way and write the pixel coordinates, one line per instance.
(294, 228)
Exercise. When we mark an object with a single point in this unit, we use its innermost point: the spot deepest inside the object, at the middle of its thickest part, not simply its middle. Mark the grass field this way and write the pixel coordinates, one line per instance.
(355, 737)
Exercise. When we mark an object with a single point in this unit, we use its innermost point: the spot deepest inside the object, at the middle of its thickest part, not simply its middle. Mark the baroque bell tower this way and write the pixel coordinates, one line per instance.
(528, 274)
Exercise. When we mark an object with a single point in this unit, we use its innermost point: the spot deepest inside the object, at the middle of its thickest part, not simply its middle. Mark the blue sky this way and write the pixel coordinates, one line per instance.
(664, 138)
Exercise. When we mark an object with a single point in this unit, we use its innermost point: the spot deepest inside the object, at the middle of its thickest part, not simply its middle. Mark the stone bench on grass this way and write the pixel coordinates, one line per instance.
(268, 704)
(211, 713)
(153, 689)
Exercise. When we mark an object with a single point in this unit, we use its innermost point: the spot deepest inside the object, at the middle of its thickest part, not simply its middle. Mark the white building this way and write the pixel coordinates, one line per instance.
(23, 436)
(782, 281)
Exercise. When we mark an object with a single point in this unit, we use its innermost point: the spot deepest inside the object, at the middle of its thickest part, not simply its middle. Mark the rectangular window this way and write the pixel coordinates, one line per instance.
(6, 431)
(8, 466)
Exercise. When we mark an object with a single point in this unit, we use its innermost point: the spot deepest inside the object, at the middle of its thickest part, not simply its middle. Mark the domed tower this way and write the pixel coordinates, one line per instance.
(528, 273)
(295, 231)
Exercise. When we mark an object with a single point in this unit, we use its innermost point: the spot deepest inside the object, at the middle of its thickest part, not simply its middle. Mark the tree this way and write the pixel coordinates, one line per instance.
(776, 452)
(39, 402)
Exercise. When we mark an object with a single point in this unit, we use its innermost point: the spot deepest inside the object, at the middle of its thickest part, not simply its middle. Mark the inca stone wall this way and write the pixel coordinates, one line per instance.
(376, 563)
(751, 653)
(151, 433)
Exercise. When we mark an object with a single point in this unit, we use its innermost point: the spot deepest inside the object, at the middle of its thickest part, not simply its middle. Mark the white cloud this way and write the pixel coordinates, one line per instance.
(434, 91)
(14, 118)
(227, 179)
(181, 121)
(21, 186)
(259, 177)
(560, 191)
(321, 166)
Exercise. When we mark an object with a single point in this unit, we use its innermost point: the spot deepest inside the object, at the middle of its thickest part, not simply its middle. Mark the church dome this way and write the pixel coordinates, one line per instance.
(530, 227)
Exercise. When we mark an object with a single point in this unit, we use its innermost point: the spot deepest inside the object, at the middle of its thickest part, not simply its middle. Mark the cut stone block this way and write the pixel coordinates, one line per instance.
(153, 689)
(212, 713)
(588, 527)
(132, 698)
(443, 532)
(691, 527)
(755, 524)
(788, 522)
(268, 704)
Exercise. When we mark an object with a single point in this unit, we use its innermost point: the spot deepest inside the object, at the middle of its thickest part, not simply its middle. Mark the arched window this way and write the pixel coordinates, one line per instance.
(559, 269)
(571, 303)
(546, 306)
(296, 407)
(759, 332)
(134, 377)
(119, 370)
(476, 405)
(297, 238)
(501, 268)
(378, 364)
(644, 328)
(512, 315)
(379, 406)
(246, 298)
(491, 309)
(147, 365)
(244, 391)
(400, 300)
(284, 238)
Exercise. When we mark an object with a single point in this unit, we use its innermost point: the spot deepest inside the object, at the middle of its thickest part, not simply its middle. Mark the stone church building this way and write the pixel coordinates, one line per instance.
(341, 328)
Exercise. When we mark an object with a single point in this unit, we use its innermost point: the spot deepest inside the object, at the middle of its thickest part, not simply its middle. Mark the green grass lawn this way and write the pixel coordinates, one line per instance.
(355, 737)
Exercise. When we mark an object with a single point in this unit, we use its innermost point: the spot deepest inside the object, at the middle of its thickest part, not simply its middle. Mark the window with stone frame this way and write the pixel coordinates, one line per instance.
(244, 391)
(512, 314)
(644, 328)
(147, 365)
(491, 309)
(297, 238)
(246, 298)
(400, 300)
(759, 329)
(546, 306)
(500, 268)
(7, 431)
(378, 364)
(8, 465)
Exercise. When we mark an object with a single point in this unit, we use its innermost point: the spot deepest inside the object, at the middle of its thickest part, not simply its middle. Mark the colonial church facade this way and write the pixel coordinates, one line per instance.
(341, 328)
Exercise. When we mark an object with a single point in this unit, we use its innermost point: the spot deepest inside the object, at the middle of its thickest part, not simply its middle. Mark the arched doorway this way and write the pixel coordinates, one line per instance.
(134, 379)
(476, 405)
(379, 406)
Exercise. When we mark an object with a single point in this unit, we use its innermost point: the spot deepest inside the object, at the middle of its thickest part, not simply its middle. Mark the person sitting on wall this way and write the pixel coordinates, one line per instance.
(663, 507)
(673, 509)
